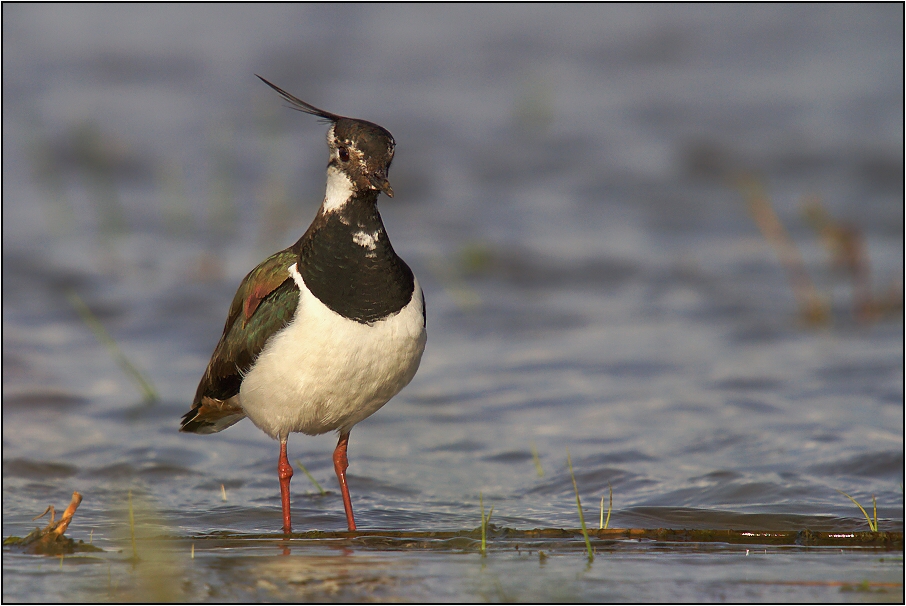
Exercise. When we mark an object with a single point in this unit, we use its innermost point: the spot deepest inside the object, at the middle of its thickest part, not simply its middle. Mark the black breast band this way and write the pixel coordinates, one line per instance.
(347, 262)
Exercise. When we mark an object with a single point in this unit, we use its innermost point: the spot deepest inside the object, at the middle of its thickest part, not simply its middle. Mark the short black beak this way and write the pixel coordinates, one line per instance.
(380, 182)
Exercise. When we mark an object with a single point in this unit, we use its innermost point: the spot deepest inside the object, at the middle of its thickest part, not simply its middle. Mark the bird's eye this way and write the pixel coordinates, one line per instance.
(344, 154)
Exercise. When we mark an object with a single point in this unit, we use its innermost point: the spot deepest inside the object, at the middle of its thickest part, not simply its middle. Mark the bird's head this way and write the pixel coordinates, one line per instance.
(359, 150)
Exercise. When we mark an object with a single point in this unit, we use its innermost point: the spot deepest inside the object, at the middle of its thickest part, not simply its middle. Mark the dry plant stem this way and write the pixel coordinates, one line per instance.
(846, 246)
(67, 515)
(810, 305)
(53, 514)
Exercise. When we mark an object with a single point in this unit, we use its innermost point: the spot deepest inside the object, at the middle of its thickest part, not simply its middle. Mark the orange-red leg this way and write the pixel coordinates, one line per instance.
(340, 463)
(285, 472)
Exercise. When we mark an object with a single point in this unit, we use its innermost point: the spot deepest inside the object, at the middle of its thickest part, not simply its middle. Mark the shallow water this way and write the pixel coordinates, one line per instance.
(565, 193)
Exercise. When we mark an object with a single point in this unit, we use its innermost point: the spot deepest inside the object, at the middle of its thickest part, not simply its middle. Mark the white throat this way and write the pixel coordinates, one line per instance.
(339, 190)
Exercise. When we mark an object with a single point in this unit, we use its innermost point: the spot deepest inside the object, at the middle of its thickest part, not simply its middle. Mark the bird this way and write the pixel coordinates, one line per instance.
(322, 334)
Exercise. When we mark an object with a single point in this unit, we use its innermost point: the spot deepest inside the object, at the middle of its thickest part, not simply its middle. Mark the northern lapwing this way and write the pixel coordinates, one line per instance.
(322, 334)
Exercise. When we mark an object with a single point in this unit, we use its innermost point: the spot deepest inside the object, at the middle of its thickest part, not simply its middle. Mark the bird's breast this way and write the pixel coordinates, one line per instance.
(324, 371)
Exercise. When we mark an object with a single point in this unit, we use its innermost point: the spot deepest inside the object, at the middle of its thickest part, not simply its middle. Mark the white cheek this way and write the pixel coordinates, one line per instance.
(339, 190)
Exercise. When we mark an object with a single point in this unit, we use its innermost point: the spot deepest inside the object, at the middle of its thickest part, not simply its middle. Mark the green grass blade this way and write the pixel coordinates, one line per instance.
(605, 523)
(874, 503)
(101, 334)
(484, 528)
(310, 477)
(591, 555)
(872, 525)
(537, 461)
(484, 525)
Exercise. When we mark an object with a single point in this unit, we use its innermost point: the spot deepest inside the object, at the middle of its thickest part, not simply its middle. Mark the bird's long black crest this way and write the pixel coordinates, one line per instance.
(302, 106)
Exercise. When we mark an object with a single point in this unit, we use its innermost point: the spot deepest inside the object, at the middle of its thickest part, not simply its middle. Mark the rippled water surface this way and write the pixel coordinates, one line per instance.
(570, 191)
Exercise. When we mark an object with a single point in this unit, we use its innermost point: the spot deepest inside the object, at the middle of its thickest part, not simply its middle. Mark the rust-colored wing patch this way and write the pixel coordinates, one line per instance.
(264, 285)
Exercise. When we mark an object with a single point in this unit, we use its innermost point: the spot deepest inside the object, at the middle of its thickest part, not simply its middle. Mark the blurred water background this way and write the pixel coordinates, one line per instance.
(590, 196)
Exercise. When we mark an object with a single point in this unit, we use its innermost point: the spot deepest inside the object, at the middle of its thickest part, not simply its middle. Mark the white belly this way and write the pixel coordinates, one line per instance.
(325, 372)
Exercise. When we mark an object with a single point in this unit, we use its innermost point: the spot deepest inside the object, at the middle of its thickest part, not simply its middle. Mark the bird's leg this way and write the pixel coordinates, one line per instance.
(285, 473)
(340, 463)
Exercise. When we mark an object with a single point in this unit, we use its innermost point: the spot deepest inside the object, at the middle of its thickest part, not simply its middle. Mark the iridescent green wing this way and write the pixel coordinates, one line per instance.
(264, 304)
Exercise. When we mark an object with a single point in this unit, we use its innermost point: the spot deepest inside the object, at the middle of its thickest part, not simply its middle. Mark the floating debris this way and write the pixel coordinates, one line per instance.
(50, 540)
